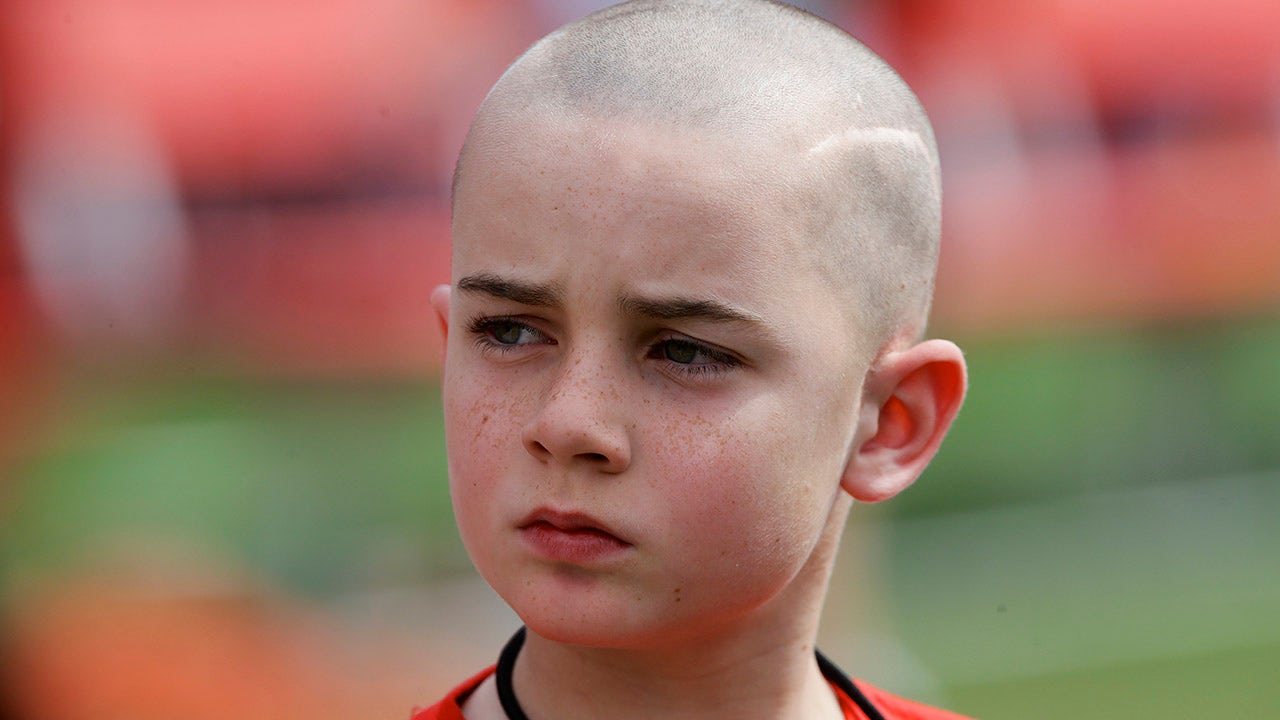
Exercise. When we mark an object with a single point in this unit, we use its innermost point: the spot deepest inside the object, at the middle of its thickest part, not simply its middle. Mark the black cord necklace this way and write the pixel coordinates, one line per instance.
(507, 662)
(511, 706)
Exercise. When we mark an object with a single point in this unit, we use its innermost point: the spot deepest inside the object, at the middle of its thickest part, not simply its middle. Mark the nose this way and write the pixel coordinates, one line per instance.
(578, 423)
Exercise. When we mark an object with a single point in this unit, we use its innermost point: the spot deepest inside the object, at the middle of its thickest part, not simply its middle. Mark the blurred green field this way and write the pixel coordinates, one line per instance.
(323, 487)
(1234, 683)
(1097, 538)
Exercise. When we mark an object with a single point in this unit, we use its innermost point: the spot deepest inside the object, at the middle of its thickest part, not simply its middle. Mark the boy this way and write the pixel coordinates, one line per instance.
(694, 246)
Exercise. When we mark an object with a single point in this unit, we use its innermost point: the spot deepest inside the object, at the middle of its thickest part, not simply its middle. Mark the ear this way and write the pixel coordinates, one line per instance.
(440, 300)
(909, 399)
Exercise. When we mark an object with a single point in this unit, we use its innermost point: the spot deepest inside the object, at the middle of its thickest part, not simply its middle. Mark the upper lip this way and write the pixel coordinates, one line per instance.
(567, 520)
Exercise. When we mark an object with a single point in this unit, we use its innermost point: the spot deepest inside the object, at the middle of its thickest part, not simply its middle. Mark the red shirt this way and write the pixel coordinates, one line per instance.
(890, 706)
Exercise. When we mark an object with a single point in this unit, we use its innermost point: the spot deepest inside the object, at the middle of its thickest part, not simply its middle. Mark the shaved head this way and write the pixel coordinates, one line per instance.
(815, 105)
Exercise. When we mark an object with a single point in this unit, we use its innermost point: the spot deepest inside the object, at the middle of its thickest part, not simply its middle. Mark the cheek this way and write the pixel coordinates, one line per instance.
(478, 429)
(482, 412)
(472, 426)
(741, 502)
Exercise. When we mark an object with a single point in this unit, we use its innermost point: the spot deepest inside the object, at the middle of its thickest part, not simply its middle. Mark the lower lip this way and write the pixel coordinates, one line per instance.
(572, 546)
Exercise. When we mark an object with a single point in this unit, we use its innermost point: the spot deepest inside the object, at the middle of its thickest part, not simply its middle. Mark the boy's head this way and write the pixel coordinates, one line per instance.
(831, 123)
(694, 244)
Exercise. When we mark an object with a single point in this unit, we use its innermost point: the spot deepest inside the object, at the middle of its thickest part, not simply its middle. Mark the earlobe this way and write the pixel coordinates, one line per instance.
(909, 401)
(440, 300)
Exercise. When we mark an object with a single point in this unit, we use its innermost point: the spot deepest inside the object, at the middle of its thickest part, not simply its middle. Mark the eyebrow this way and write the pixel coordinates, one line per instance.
(525, 293)
(676, 308)
(548, 295)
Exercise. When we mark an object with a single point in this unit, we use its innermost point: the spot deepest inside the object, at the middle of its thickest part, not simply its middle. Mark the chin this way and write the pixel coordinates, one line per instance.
(576, 624)
(600, 635)
(619, 626)
(593, 624)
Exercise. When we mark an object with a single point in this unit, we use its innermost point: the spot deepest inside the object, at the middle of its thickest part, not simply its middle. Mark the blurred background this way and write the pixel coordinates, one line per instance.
(222, 481)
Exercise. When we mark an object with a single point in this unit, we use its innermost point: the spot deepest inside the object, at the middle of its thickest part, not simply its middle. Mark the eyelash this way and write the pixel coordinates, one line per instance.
(484, 330)
(721, 361)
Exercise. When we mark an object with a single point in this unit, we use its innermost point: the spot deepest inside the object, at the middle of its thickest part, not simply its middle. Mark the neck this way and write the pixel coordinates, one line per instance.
(782, 681)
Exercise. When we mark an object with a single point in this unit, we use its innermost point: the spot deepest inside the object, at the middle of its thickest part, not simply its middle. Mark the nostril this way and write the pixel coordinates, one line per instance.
(566, 437)
(538, 450)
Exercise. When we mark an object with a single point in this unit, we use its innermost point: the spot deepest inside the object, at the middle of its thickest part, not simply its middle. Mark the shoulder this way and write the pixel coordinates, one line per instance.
(450, 707)
(897, 708)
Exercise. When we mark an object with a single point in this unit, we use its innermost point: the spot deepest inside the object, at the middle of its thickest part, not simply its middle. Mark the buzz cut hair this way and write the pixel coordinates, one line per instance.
(757, 72)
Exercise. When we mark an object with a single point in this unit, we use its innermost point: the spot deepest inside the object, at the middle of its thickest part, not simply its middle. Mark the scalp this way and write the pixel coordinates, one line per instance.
(762, 74)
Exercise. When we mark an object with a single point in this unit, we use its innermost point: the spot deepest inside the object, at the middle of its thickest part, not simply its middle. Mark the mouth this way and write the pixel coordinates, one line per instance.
(570, 537)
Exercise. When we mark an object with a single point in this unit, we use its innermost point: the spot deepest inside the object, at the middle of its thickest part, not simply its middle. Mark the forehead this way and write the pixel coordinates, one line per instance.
(620, 183)
(600, 212)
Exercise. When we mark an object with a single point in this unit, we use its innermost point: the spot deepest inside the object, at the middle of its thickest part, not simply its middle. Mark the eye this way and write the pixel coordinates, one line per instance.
(679, 351)
(509, 333)
(503, 334)
(692, 358)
